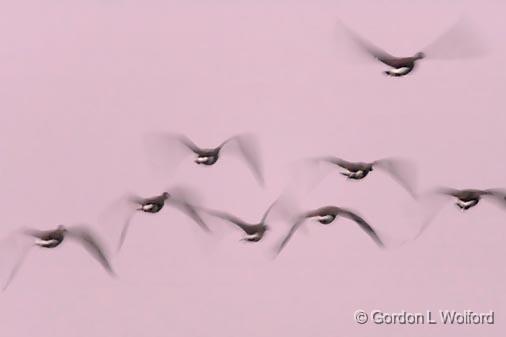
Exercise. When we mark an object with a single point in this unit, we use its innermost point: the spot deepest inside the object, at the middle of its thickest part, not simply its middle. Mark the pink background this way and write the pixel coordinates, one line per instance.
(82, 81)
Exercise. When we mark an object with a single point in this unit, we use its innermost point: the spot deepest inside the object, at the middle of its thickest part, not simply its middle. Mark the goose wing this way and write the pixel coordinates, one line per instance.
(185, 200)
(290, 233)
(124, 231)
(448, 191)
(91, 242)
(370, 49)
(363, 224)
(401, 170)
(248, 149)
(459, 41)
(497, 195)
(166, 150)
(13, 252)
(337, 161)
(232, 219)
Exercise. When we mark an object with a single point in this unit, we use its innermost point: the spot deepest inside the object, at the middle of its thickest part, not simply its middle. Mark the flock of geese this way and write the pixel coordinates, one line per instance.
(183, 199)
(174, 148)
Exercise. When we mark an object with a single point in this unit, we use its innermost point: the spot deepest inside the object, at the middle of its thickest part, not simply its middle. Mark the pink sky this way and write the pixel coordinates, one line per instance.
(82, 82)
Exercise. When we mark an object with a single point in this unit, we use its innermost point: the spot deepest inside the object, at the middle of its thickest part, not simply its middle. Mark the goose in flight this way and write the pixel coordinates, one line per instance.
(459, 41)
(326, 215)
(53, 238)
(254, 231)
(177, 146)
(179, 198)
(400, 170)
(464, 200)
(467, 198)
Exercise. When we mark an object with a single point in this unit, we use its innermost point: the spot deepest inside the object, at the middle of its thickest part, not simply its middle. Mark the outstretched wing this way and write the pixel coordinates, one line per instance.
(248, 149)
(310, 172)
(459, 41)
(166, 150)
(185, 200)
(91, 243)
(292, 231)
(363, 224)
(432, 203)
(269, 209)
(370, 49)
(337, 161)
(188, 143)
(230, 218)
(401, 171)
(497, 195)
(452, 192)
(116, 218)
(124, 231)
(13, 252)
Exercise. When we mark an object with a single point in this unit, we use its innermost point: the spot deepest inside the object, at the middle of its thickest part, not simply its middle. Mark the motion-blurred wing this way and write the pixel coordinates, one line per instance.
(167, 150)
(433, 203)
(124, 231)
(401, 171)
(497, 195)
(363, 224)
(336, 161)
(370, 49)
(185, 200)
(116, 218)
(458, 42)
(13, 252)
(287, 238)
(230, 218)
(248, 149)
(451, 192)
(92, 244)
(310, 172)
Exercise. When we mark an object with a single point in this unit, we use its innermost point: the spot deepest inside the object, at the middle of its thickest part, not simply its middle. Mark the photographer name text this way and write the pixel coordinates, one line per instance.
(447, 317)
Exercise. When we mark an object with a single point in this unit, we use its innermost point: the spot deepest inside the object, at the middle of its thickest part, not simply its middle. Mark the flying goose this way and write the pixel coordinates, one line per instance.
(254, 232)
(467, 198)
(326, 215)
(178, 198)
(178, 146)
(53, 238)
(464, 200)
(459, 41)
(400, 170)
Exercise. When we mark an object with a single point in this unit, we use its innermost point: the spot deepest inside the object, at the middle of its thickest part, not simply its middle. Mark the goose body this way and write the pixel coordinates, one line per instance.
(152, 205)
(326, 219)
(356, 175)
(397, 72)
(207, 156)
(49, 239)
(400, 65)
(400, 170)
(468, 198)
(465, 205)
